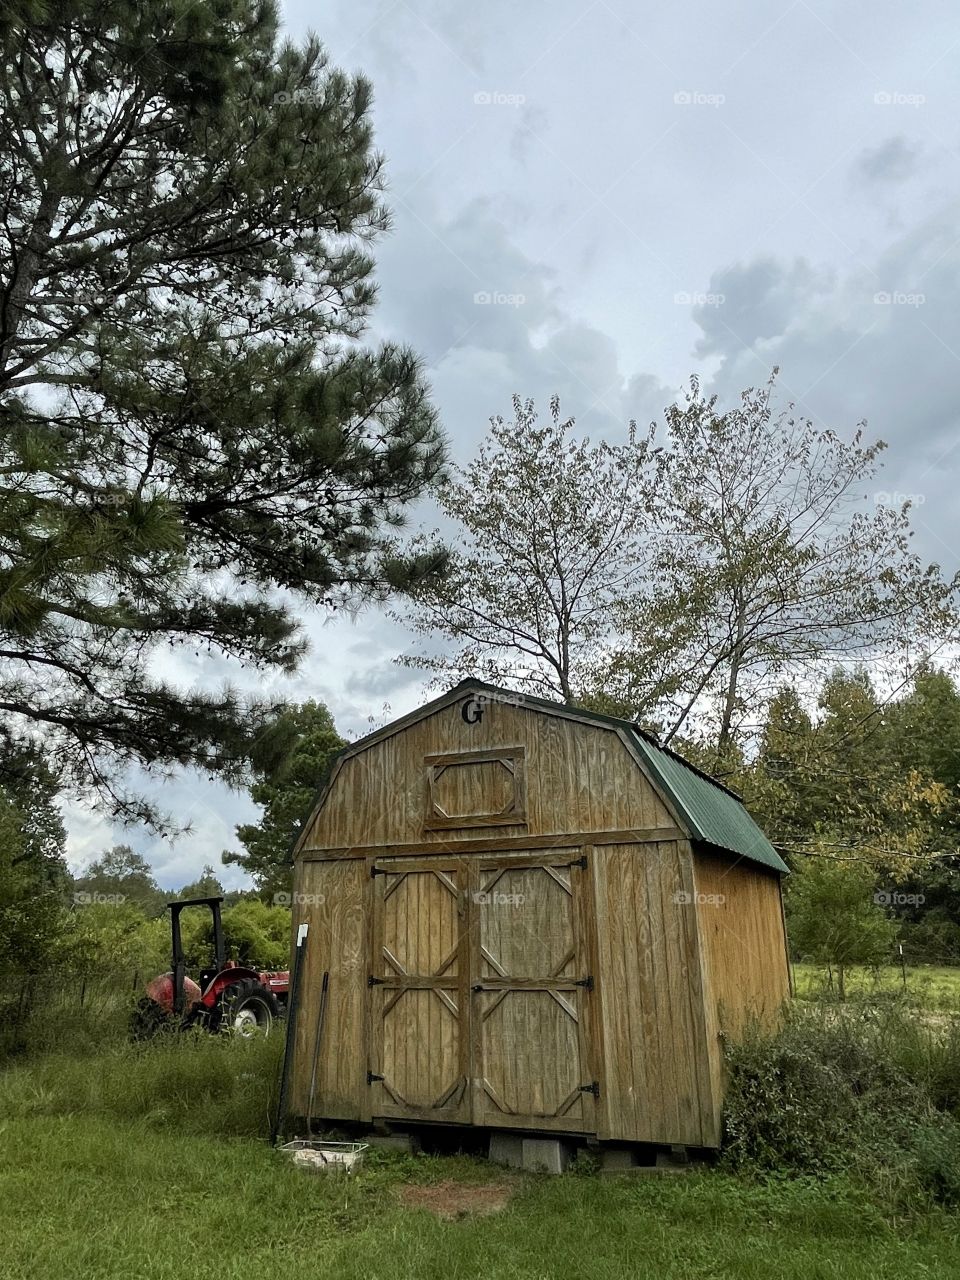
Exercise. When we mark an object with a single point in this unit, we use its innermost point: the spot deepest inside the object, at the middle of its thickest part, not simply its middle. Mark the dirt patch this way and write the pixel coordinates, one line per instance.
(457, 1199)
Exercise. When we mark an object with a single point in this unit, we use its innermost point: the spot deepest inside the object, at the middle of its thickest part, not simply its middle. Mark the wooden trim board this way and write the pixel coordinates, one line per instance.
(494, 844)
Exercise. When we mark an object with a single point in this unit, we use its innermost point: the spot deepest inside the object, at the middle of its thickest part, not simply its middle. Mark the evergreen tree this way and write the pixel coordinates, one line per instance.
(287, 792)
(857, 783)
(31, 905)
(33, 871)
(191, 439)
(205, 886)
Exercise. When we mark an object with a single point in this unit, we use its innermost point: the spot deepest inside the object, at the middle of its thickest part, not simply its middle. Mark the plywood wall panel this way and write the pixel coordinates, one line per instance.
(579, 777)
(741, 930)
(656, 1066)
(329, 897)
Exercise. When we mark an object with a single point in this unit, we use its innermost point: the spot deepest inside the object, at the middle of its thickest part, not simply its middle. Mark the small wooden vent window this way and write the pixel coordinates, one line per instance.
(476, 789)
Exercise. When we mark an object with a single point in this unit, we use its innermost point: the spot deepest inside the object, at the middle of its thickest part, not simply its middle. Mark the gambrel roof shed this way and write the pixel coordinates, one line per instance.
(533, 917)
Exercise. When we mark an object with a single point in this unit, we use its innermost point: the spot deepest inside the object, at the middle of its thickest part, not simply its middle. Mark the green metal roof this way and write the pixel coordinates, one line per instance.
(712, 812)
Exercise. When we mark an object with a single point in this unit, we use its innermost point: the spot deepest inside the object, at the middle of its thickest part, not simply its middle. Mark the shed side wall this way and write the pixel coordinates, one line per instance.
(742, 936)
(657, 1084)
(329, 897)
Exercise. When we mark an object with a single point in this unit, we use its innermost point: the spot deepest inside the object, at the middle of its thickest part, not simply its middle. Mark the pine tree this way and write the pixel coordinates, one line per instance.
(191, 438)
(287, 791)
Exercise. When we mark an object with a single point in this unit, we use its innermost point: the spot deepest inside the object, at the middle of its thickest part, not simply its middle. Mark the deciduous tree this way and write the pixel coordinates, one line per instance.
(770, 560)
(550, 538)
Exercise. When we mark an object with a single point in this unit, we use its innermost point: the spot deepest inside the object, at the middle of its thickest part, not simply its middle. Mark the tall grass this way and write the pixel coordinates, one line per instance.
(195, 1083)
(65, 1012)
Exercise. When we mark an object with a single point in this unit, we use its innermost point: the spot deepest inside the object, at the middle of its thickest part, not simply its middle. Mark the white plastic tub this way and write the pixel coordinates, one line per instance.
(317, 1156)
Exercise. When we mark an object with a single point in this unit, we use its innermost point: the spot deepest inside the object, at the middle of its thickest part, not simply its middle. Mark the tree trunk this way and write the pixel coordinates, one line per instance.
(733, 680)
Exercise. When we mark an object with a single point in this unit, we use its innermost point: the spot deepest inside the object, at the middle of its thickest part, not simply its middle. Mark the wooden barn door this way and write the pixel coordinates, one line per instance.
(530, 990)
(419, 1041)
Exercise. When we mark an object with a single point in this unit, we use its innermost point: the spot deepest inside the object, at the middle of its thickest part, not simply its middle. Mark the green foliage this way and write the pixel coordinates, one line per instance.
(767, 561)
(863, 1093)
(109, 937)
(833, 917)
(206, 886)
(33, 869)
(673, 582)
(257, 935)
(552, 543)
(287, 791)
(191, 439)
(31, 785)
(120, 876)
(30, 909)
(861, 777)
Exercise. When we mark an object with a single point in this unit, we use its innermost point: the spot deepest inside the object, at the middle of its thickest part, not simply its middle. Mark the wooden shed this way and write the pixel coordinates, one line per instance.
(534, 918)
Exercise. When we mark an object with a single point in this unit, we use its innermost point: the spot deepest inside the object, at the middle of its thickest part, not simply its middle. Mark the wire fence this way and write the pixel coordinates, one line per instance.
(62, 1010)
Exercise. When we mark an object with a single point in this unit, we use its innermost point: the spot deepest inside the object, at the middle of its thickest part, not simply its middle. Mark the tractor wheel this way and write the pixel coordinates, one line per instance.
(246, 1009)
(148, 1019)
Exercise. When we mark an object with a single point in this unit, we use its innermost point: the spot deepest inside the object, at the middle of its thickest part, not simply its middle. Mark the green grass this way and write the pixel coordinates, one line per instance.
(152, 1162)
(98, 1199)
(193, 1084)
(927, 986)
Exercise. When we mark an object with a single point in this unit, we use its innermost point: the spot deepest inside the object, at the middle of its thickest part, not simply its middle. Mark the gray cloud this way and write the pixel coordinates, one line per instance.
(811, 167)
(892, 161)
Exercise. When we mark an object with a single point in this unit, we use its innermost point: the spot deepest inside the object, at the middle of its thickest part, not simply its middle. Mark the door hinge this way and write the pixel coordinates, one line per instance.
(586, 982)
(593, 1087)
(371, 1076)
(477, 986)
(378, 871)
(375, 982)
(578, 862)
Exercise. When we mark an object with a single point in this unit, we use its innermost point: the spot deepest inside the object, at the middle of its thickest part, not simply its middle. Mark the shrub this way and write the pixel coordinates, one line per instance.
(871, 1092)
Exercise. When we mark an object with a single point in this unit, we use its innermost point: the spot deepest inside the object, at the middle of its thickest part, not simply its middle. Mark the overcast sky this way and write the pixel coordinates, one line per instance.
(600, 200)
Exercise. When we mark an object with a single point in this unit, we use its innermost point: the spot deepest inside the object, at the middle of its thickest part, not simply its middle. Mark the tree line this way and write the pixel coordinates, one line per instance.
(199, 445)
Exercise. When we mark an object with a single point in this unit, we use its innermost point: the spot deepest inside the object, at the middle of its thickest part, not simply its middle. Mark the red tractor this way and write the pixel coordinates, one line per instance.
(228, 997)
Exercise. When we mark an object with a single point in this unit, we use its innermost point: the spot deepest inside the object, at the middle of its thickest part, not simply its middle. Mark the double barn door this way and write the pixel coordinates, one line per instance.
(479, 992)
